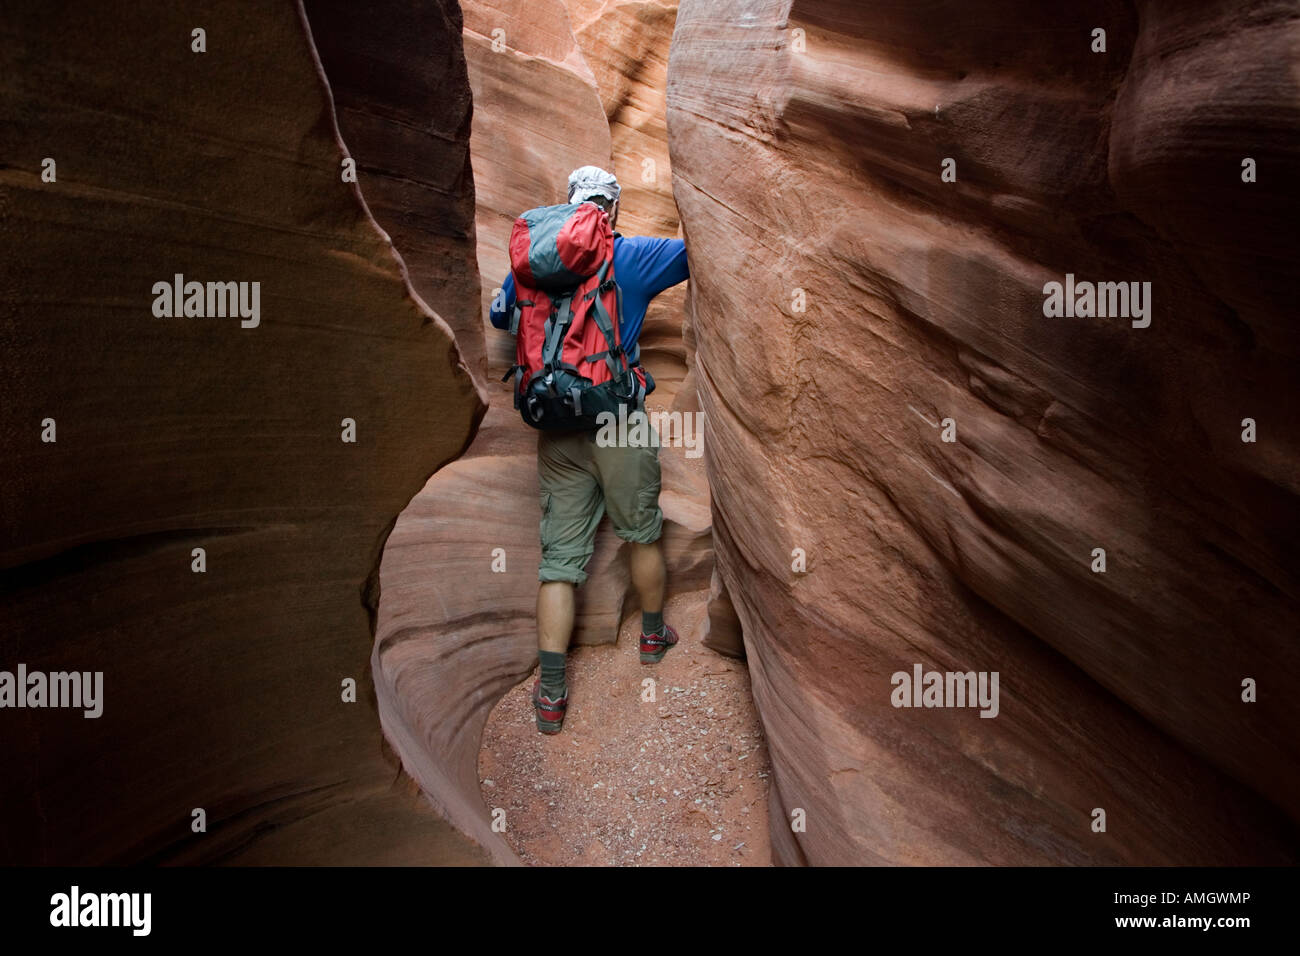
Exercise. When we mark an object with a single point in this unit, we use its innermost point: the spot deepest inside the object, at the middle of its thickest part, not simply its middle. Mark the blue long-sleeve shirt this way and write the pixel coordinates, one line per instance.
(643, 265)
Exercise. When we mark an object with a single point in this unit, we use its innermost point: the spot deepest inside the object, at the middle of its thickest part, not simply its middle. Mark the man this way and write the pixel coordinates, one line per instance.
(580, 480)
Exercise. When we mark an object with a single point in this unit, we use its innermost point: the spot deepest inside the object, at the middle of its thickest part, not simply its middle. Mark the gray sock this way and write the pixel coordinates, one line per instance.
(552, 673)
(652, 623)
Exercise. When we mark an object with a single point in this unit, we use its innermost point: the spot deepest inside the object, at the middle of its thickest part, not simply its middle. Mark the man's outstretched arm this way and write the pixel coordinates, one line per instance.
(661, 263)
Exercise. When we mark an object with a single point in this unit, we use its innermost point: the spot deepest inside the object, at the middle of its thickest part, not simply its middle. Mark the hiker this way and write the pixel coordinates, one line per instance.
(580, 480)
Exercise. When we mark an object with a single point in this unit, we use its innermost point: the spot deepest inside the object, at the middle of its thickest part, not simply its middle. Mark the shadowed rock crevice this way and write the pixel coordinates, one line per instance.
(408, 131)
(223, 690)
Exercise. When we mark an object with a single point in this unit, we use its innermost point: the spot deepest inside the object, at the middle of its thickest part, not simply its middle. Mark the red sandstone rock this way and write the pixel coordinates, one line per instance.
(408, 130)
(626, 46)
(722, 631)
(222, 690)
(820, 171)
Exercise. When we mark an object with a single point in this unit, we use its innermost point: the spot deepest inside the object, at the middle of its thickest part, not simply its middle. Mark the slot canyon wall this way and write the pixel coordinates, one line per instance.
(804, 160)
(807, 142)
(222, 690)
(408, 129)
(550, 94)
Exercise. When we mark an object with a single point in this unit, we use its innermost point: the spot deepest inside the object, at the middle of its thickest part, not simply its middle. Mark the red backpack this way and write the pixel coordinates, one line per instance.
(570, 364)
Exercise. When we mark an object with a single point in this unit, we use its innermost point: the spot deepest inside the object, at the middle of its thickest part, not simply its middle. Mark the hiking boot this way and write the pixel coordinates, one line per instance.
(550, 710)
(653, 648)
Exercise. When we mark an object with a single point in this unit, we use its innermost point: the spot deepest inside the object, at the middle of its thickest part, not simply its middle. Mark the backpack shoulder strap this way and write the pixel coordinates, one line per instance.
(603, 320)
(515, 312)
(556, 326)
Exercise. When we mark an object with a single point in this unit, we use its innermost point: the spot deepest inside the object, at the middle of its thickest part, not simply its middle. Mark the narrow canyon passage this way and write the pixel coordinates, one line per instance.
(683, 778)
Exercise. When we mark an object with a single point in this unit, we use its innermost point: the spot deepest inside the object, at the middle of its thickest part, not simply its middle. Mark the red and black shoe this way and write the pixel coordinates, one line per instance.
(653, 647)
(550, 710)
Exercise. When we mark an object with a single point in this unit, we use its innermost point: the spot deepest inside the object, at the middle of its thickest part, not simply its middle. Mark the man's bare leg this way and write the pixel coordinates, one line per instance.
(646, 563)
(554, 616)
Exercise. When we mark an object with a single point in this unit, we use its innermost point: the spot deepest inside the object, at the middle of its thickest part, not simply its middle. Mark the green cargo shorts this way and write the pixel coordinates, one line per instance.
(579, 481)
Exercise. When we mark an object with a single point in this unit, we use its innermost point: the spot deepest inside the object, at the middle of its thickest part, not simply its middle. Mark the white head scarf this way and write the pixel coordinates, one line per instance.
(588, 181)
